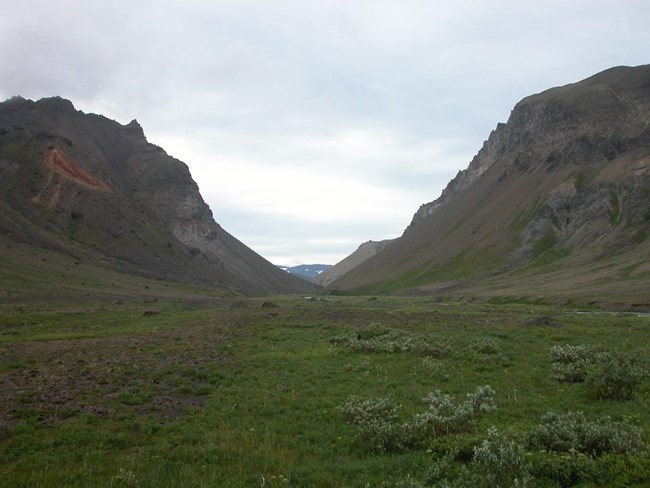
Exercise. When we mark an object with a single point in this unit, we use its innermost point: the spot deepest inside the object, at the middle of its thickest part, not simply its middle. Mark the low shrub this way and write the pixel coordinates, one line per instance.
(375, 421)
(378, 429)
(375, 338)
(445, 416)
(435, 347)
(570, 364)
(608, 374)
(485, 346)
(568, 354)
(570, 372)
(495, 462)
(622, 471)
(485, 351)
(358, 411)
(572, 432)
(435, 368)
(566, 470)
(615, 376)
(498, 462)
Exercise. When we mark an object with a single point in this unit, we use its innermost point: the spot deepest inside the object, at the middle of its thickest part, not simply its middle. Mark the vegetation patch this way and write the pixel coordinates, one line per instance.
(377, 338)
(467, 263)
(608, 374)
(574, 433)
(579, 181)
(235, 396)
(615, 213)
(379, 431)
(546, 242)
(526, 216)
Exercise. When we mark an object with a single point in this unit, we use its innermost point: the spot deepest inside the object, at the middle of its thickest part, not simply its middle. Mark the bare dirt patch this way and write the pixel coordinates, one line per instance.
(160, 373)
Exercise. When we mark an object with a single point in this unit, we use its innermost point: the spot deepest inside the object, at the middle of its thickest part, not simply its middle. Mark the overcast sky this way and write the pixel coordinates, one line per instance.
(312, 126)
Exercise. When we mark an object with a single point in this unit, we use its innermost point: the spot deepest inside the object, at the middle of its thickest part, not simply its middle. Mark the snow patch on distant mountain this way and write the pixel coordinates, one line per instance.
(306, 271)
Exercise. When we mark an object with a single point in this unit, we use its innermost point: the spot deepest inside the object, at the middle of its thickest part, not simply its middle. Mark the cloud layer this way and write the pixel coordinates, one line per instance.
(311, 127)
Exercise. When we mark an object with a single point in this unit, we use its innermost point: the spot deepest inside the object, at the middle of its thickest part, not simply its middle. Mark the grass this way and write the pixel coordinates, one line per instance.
(249, 396)
(466, 263)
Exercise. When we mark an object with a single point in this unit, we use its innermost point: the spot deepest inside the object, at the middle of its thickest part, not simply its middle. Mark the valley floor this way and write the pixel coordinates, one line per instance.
(336, 391)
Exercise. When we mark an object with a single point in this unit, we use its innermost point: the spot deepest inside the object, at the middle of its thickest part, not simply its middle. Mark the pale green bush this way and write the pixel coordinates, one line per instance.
(485, 346)
(375, 421)
(357, 410)
(378, 429)
(572, 432)
(445, 416)
(497, 462)
(436, 347)
(608, 374)
(567, 353)
(570, 364)
(375, 338)
(486, 351)
(615, 376)
(435, 368)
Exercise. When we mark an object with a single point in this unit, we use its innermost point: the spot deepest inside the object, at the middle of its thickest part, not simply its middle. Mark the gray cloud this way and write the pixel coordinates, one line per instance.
(353, 113)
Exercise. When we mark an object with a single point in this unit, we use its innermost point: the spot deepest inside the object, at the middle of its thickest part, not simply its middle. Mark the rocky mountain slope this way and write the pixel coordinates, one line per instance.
(557, 201)
(85, 186)
(364, 251)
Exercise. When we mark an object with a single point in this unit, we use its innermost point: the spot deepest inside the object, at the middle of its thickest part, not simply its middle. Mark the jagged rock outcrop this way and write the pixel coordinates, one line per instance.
(489, 154)
(85, 185)
(565, 181)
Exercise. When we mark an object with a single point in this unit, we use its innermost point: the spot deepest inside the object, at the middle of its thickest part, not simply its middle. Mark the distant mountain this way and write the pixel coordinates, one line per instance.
(364, 251)
(307, 271)
(555, 204)
(85, 186)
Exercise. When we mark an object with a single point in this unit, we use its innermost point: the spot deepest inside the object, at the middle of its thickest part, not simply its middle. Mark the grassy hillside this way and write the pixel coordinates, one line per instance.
(34, 274)
(254, 393)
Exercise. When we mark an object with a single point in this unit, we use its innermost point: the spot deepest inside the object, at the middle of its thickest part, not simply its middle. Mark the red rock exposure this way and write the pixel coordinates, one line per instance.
(62, 164)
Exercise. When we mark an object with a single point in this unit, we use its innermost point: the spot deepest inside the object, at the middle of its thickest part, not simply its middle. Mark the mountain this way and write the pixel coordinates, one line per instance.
(85, 186)
(555, 204)
(307, 271)
(364, 251)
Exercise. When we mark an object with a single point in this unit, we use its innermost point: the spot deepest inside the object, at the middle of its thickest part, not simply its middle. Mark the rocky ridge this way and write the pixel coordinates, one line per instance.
(84, 185)
(564, 182)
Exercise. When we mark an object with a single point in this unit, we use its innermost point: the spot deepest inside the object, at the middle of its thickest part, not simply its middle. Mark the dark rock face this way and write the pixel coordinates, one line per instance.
(568, 172)
(585, 124)
(85, 185)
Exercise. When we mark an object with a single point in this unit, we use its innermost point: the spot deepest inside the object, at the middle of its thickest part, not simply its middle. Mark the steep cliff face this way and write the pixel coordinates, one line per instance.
(582, 124)
(85, 185)
(565, 182)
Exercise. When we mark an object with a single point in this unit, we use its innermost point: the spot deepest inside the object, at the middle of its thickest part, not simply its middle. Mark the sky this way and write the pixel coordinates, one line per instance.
(312, 126)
